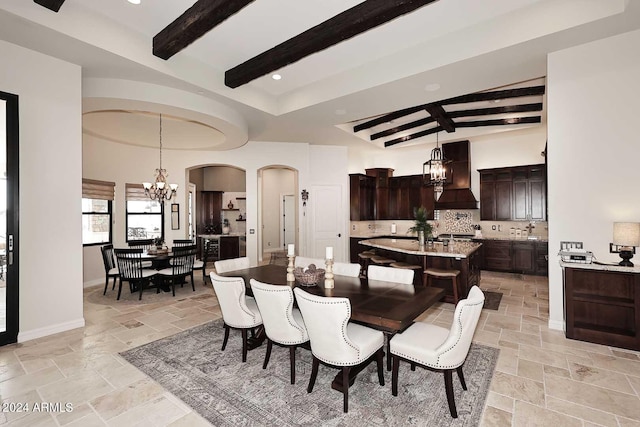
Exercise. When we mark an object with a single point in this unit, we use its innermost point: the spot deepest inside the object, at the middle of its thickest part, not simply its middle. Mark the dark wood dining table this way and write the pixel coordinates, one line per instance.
(387, 306)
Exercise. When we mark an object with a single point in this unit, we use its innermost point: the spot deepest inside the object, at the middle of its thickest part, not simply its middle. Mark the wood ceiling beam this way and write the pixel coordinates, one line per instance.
(500, 122)
(360, 18)
(497, 94)
(193, 24)
(524, 108)
(54, 5)
(388, 117)
(400, 128)
(437, 112)
(413, 136)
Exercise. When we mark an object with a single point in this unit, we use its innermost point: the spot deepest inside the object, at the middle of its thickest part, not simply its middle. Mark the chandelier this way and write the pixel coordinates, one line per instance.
(434, 171)
(160, 190)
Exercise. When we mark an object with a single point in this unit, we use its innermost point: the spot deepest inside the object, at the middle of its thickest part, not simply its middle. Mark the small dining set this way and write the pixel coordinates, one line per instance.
(347, 324)
(141, 266)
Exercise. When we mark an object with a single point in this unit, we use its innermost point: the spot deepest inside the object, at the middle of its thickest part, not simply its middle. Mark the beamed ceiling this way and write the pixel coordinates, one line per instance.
(356, 73)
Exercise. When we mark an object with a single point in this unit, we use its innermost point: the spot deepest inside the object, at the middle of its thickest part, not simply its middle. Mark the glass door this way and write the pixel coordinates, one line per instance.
(8, 218)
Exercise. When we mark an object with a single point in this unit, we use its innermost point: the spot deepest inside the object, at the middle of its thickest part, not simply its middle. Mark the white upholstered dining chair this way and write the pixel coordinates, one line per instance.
(283, 324)
(335, 341)
(304, 262)
(346, 269)
(238, 310)
(232, 264)
(439, 348)
(390, 274)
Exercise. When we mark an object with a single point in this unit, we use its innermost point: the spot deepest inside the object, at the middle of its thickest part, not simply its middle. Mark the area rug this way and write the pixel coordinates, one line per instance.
(492, 300)
(227, 392)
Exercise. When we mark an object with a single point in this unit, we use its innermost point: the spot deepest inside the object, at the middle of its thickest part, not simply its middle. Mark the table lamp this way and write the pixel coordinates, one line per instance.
(626, 235)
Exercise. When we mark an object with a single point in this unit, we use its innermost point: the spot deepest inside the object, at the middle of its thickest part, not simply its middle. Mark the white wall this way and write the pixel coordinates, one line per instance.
(593, 94)
(275, 184)
(50, 108)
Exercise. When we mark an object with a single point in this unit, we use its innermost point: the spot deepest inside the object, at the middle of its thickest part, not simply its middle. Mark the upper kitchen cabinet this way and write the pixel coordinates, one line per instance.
(363, 197)
(382, 177)
(406, 193)
(517, 193)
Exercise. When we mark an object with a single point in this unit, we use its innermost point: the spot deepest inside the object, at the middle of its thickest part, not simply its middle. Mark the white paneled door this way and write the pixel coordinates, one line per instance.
(327, 221)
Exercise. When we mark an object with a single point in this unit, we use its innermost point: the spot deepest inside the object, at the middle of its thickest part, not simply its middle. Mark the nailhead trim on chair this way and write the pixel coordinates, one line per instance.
(296, 326)
(458, 339)
(347, 340)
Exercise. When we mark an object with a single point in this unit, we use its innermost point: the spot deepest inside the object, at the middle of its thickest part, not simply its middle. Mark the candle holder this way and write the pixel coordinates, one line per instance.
(328, 274)
(290, 276)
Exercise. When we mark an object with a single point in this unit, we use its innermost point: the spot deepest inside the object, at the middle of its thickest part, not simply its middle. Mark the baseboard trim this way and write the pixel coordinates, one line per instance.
(557, 325)
(95, 282)
(50, 330)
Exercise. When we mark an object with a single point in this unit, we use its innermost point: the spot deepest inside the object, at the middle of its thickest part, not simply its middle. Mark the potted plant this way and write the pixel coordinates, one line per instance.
(158, 242)
(421, 226)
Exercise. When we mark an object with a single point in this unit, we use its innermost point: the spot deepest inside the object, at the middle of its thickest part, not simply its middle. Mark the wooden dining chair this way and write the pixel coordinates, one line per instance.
(181, 266)
(335, 341)
(435, 347)
(144, 244)
(131, 271)
(110, 267)
(283, 324)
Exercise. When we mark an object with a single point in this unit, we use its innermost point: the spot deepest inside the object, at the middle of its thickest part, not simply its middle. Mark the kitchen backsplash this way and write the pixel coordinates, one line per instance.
(458, 222)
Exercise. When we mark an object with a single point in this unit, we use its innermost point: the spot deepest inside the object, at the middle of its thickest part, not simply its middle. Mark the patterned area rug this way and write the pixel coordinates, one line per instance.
(227, 392)
(492, 300)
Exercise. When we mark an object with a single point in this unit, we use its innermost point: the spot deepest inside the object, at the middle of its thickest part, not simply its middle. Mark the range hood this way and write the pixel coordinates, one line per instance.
(457, 191)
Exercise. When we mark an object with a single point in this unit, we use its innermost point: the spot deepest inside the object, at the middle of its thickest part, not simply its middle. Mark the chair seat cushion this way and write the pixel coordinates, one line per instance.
(419, 344)
(146, 264)
(165, 271)
(297, 316)
(436, 272)
(114, 272)
(369, 340)
(148, 273)
(198, 264)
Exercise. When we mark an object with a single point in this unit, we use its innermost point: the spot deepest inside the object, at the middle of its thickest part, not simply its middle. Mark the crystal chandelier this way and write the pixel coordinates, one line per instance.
(434, 171)
(160, 190)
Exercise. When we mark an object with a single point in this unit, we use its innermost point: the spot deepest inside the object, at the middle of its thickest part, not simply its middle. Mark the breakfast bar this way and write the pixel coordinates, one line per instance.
(457, 255)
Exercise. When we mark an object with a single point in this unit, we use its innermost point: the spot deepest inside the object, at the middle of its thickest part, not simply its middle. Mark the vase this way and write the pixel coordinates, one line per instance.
(421, 237)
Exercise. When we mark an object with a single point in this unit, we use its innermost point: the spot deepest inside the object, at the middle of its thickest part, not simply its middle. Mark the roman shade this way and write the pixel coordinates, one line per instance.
(135, 192)
(102, 190)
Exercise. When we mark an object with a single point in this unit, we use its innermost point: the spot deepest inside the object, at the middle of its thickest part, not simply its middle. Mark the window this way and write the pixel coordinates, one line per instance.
(145, 217)
(97, 200)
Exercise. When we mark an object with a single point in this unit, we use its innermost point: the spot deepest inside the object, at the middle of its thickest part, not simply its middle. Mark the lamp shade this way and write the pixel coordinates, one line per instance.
(626, 233)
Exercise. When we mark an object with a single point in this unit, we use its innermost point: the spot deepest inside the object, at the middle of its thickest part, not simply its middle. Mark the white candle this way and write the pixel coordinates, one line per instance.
(291, 250)
(329, 252)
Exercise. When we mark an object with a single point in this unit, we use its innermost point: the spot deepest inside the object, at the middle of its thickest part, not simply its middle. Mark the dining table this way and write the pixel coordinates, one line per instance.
(386, 306)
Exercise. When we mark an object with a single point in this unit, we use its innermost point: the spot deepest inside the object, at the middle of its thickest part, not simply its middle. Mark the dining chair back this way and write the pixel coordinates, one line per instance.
(141, 244)
(182, 242)
(110, 267)
(131, 271)
(238, 310)
(346, 269)
(283, 324)
(181, 266)
(335, 341)
(435, 347)
(232, 264)
(390, 274)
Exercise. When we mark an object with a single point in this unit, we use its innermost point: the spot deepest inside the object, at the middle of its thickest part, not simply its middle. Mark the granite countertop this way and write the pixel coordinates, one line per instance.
(453, 250)
(601, 267)
(217, 236)
(515, 239)
(408, 236)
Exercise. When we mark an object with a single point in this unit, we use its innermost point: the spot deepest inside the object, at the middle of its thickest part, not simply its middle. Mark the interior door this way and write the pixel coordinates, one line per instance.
(8, 218)
(327, 221)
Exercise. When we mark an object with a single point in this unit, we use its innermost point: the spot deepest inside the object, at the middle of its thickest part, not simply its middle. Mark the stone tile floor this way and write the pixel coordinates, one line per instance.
(541, 377)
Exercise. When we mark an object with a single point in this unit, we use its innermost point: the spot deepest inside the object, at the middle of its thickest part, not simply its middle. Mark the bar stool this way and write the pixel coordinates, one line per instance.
(364, 258)
(404, 265)
(380, 260)
(444, 274)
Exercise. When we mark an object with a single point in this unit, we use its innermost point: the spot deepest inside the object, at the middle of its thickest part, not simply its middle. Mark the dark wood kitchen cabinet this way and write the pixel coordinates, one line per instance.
(409, 192)
(497, 255)
(602, 307)
(516, 256)
(516, 193)
(363, 197)
(209, 209)
(381, 205)
(523, 258)
(229, 247)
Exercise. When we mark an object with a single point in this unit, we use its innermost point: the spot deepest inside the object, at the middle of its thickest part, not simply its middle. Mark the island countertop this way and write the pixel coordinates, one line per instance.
(453, 250)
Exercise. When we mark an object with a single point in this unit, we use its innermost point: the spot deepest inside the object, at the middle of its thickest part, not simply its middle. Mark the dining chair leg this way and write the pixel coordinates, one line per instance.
(413, 366)
(292, 361)
(314, 374)
(394, 375)
(119, 289)
(106, 285)
(461, 376)
(267, 355)
(140, 285)
(388, 337)
(173, 286)
(379, 357)
(345, 388)
(193, 285)
(448, 385)
(226, 336)
(244, 345)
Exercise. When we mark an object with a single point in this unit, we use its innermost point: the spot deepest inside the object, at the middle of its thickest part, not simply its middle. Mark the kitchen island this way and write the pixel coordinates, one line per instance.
(462, 256)
(225, 246)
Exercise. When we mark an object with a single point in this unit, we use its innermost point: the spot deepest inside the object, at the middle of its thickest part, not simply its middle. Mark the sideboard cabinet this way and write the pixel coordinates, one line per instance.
(602, 307)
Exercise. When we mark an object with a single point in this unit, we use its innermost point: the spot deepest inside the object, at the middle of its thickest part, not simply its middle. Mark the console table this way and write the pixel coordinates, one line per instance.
(602, 304)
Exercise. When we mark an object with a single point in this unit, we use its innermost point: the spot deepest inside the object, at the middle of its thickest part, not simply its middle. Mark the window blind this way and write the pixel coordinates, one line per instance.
(135, 192)
(102, 190)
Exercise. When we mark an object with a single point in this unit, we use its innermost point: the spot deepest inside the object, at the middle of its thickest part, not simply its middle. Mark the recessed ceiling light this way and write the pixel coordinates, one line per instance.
(341, 112)
(432, 87)
(134, 1)
(276, 76)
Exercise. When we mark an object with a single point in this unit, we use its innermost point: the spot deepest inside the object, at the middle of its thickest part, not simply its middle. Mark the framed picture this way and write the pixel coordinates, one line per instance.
(175, 216)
